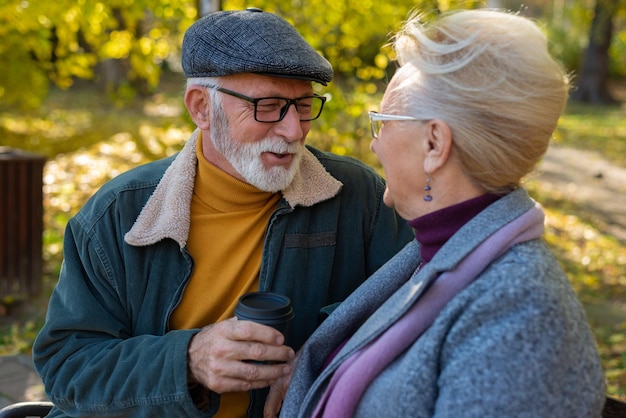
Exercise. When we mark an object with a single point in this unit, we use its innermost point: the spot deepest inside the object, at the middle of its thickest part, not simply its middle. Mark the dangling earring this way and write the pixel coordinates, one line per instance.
(427, 197)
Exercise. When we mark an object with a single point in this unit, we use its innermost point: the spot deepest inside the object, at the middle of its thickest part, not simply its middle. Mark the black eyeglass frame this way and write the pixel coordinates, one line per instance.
(283, 110)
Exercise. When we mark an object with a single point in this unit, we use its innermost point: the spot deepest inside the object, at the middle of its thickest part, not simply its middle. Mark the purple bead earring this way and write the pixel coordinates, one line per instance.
(427, 197)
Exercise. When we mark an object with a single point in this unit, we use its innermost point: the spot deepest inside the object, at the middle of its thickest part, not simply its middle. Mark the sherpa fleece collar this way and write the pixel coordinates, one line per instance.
(167, 212)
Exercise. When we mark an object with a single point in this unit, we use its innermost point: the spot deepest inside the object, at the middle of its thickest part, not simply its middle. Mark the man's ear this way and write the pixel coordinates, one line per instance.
(437, 144)
(198, 105)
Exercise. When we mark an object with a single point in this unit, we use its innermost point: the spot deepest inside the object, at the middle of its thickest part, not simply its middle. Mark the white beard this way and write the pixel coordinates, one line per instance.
(246, 157)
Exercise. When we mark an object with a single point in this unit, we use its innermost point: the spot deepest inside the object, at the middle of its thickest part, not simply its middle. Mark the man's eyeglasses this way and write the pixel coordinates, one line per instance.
(274, 109)
(377, 119)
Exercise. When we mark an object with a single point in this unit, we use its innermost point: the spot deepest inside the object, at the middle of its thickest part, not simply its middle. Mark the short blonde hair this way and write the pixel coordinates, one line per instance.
(488, 74)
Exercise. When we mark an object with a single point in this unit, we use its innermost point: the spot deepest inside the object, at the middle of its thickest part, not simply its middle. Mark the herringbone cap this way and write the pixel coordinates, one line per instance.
(250, 41)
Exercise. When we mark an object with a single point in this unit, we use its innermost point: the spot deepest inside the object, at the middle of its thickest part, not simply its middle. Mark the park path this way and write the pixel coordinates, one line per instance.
(588, 179)
(18, 380)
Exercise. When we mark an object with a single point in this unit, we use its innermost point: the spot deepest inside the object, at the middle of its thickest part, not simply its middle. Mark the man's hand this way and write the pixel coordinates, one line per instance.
(221, 357)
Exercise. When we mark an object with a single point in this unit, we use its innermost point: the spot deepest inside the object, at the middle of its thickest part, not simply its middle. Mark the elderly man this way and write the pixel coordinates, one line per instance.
(141, 321)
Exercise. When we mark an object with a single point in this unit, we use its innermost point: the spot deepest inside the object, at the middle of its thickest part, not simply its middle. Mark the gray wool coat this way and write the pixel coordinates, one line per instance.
(514, 343)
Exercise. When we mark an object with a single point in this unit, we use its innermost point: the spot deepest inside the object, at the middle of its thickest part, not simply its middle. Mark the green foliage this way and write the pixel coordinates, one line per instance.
(17, 338)
(601, 129)
(59, 41)
(568, 32)
(567, 24)
(131, 41)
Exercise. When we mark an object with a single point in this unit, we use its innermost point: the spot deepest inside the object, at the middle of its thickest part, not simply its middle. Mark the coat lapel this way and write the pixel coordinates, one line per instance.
(415, 284)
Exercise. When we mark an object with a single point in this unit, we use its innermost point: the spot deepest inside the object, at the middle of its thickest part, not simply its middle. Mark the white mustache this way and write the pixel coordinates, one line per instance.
(279, 146)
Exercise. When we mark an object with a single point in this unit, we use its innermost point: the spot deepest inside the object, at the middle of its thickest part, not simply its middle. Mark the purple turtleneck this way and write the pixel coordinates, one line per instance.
(434, 229)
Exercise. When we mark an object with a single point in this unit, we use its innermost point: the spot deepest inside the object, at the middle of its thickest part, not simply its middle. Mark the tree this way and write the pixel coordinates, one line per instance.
(59, 41)
(592, 86)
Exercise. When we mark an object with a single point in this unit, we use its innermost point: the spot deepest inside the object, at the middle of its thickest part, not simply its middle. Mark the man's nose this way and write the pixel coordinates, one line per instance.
(290, 127)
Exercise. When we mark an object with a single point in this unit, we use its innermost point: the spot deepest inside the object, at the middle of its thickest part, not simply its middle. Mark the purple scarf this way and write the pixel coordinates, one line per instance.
(354, 375)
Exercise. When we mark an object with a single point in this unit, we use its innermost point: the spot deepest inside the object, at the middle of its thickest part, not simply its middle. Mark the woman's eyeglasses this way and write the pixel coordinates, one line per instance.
(377, 119)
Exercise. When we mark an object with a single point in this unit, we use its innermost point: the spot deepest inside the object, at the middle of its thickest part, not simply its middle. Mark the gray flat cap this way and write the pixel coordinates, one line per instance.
(250, 41)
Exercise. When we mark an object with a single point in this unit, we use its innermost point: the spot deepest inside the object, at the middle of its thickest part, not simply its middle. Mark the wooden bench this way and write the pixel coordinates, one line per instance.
(614, 408)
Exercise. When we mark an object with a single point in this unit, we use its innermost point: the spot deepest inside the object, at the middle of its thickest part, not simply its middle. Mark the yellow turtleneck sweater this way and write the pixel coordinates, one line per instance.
(228, 222)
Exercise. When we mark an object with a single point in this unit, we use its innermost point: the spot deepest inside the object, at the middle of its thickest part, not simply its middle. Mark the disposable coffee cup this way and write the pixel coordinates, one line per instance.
(265, 308)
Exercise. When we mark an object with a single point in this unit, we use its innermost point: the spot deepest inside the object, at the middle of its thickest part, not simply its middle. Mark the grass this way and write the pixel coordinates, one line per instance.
(595, 128)
(88, 141)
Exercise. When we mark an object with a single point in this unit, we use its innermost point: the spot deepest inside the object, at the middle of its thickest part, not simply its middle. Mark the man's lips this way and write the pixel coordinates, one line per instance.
(274, 158)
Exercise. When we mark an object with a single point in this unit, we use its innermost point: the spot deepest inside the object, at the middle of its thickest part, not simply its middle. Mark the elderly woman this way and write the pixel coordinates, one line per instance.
(474, 318)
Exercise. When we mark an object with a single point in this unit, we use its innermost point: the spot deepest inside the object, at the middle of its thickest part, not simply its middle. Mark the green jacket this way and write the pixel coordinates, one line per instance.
(106, 348)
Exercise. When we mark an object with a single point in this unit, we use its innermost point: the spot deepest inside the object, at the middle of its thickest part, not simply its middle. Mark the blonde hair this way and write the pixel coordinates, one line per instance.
(488, 74)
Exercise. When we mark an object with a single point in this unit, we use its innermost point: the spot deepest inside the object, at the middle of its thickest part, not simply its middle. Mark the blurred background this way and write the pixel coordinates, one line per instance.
(89, 89)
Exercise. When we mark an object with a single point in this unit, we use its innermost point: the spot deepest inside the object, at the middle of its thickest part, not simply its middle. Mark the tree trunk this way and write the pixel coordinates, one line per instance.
(593, 82)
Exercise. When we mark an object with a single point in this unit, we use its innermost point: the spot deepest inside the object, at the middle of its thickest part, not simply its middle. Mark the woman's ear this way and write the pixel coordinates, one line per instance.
(198, 105)
(437, 144)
